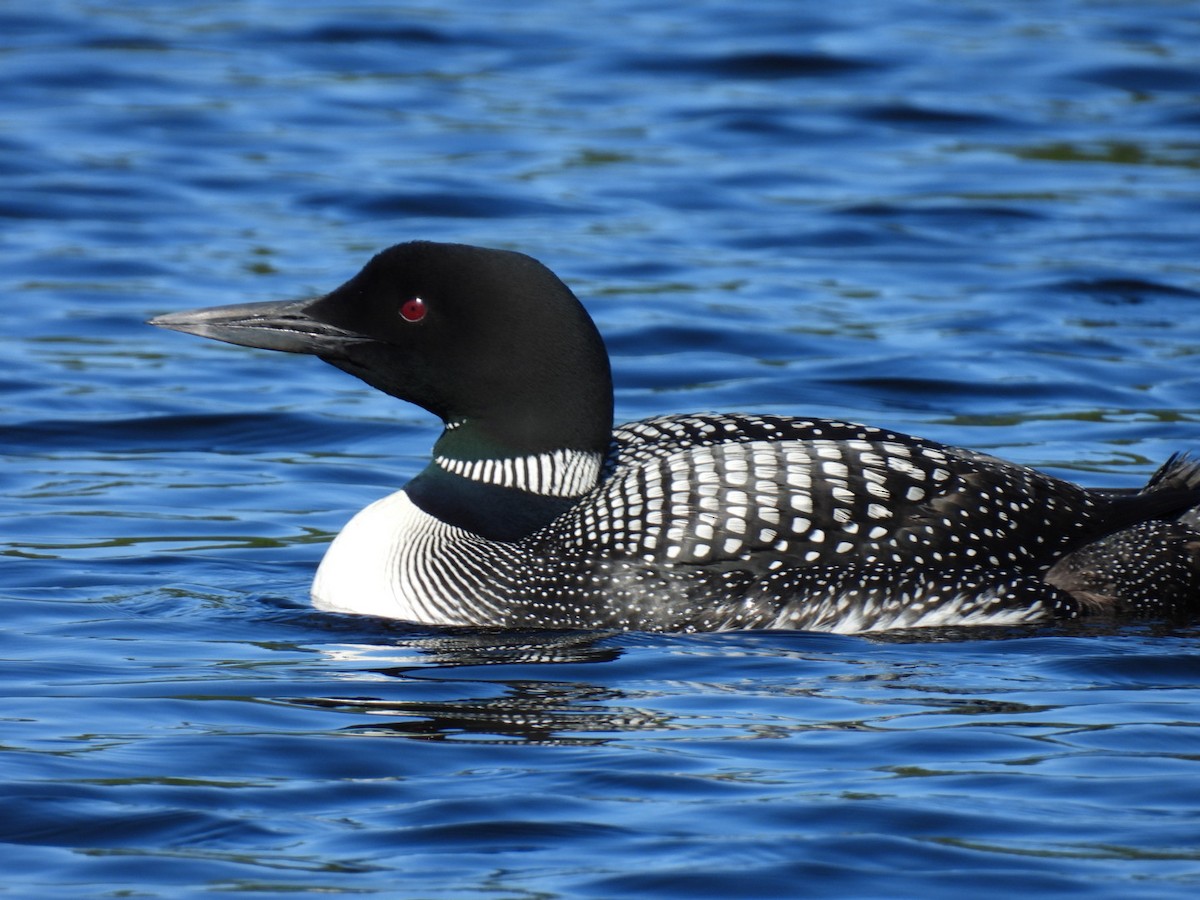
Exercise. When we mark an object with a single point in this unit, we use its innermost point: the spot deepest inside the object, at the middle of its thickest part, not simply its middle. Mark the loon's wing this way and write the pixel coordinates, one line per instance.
(664, 435)
(819, 493)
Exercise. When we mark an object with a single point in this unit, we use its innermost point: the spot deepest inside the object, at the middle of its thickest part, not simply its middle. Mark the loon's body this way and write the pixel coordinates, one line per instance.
(533, 513)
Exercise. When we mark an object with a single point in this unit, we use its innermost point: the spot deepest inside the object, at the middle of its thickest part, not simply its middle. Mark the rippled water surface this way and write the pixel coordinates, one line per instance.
(973, 221)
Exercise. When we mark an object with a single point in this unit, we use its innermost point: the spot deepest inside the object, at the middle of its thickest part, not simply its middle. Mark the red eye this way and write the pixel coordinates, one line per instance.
(413, 310)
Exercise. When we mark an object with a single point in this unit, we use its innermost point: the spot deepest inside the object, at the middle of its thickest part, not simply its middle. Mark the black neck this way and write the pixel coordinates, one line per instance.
(490, 511)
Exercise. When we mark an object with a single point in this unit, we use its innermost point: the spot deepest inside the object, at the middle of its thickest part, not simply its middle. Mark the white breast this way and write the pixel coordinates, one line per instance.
(367, 569)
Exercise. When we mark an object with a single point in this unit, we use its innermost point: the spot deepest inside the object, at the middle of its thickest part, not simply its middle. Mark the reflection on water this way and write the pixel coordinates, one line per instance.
(542, 710)
(535, 712)
(558, 688)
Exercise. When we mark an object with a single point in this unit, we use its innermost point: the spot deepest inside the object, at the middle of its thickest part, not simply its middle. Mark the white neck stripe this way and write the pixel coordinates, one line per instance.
(559, 473)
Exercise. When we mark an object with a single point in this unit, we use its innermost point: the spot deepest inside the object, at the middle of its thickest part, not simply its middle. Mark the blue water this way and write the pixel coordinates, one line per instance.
(979, 222)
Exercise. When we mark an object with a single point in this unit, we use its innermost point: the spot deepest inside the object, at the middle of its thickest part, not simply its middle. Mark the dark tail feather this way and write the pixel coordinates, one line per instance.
(1181, 472)
(1171, 492)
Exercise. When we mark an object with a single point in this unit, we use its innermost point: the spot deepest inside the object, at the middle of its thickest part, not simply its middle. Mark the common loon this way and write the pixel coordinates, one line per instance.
(534, 513)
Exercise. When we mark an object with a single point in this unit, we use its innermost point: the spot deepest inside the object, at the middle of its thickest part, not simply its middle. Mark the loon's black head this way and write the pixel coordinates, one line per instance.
(489, 339)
